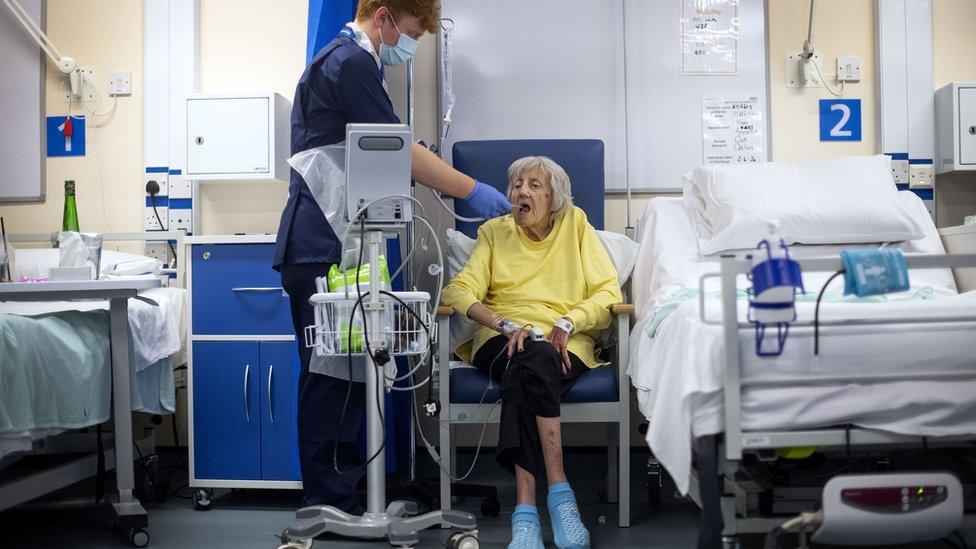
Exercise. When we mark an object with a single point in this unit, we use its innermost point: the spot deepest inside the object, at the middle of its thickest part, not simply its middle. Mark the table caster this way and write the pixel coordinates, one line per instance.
(138, 537)
(463, 540)
(202, 499)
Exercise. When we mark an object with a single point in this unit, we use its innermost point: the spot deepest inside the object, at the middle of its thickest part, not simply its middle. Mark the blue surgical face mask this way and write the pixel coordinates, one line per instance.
(400, 53)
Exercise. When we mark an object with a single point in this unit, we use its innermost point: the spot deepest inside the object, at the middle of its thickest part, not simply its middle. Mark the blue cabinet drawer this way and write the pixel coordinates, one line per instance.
(236, 292)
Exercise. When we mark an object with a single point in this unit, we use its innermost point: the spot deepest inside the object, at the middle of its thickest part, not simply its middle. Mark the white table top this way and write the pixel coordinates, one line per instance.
(75, 289)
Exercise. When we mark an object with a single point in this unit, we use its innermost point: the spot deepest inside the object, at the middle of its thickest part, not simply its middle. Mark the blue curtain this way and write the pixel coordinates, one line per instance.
(325, 19)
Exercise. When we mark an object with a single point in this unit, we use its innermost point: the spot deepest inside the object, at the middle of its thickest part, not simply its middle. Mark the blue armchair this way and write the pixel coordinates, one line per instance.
(600, 395)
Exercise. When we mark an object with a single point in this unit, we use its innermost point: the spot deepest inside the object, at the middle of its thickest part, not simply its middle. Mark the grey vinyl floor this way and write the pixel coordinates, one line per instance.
(253, 518)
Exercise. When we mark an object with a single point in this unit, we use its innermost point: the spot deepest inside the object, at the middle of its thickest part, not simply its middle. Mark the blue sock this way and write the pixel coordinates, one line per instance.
(526, 528)
(567, 526)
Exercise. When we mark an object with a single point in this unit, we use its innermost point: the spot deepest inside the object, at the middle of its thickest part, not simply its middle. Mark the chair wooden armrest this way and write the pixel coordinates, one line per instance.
(623, 309)
(444, 310)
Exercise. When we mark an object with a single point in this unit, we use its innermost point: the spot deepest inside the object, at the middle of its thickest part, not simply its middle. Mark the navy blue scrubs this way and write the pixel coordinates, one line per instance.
(343, 84)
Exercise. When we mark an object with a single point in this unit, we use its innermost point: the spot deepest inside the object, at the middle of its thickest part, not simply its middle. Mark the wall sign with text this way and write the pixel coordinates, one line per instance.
(840, 119)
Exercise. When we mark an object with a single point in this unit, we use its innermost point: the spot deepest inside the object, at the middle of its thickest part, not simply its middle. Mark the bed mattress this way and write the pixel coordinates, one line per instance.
(676, 359)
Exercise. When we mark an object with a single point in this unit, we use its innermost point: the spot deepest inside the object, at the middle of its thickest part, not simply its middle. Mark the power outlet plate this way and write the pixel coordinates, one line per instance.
(179, 187)
(151, 223)
(160, 251)
(899, 171)
(849, 69)
(920, 176)
(181, 219)
(793, 72)
(161, 179)
(86, 87)
(120, 83)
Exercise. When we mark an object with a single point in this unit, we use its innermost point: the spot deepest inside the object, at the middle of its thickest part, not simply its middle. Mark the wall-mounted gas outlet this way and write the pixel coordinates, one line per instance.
(920, 176)
(86, 87)
(181, 219)
(152, 223)
(899, 171)
(800, 72)
(160, 251)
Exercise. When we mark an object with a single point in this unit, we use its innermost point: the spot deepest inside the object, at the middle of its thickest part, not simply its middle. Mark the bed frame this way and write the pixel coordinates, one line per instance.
(738, 497)
(22, 489)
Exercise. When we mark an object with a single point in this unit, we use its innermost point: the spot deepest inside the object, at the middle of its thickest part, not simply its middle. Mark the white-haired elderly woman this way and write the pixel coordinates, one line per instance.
(541, 267)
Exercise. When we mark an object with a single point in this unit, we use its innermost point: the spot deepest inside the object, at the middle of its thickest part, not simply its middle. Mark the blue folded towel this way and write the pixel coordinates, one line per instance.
(874, 272)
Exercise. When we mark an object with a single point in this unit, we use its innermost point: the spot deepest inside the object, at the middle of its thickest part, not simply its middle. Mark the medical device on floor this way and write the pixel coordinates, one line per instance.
(377, 325)
(880, 509)
(775, 279)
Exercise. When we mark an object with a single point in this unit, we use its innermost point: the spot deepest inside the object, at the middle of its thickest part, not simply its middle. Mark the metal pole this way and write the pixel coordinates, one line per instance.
(376, 470)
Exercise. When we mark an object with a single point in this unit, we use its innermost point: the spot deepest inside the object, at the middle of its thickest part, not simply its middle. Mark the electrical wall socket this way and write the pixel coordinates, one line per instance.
(160, 251)
(150, 221)
(161, 179)
(920, 176)
(86, 87)
(793, 72)
(181, 219)
(899, 171)
(120, 83)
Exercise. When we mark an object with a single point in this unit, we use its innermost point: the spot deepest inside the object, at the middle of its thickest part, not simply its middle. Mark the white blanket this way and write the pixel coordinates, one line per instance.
(678, 373)
(157, 331)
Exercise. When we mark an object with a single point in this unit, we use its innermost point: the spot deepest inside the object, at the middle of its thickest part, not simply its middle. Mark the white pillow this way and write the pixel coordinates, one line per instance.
(844, 200)
(622, 251)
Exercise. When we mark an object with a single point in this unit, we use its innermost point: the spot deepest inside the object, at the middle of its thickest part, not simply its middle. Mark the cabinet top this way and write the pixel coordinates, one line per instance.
(232, 239)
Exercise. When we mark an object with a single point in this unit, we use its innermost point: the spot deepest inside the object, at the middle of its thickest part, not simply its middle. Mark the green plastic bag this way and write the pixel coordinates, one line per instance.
(352, 335)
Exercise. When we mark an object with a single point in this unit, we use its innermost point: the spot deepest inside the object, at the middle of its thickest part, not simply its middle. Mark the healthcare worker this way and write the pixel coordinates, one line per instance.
(344, 84)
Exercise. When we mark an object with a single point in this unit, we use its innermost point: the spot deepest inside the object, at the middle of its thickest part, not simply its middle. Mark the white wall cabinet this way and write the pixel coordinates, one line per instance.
(955, 106)
(232, 137)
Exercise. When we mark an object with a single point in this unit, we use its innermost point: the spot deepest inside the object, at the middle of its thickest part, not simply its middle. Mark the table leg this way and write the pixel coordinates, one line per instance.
(129, 511)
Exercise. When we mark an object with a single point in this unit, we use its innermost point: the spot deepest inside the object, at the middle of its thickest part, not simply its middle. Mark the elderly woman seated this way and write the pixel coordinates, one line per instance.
(543, 267)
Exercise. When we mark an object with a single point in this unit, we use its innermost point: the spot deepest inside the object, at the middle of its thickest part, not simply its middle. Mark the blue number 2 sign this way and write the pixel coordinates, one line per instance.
(840, 119)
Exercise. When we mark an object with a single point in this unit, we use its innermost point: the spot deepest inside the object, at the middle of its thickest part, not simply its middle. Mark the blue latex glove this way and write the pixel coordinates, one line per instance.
(487, 202)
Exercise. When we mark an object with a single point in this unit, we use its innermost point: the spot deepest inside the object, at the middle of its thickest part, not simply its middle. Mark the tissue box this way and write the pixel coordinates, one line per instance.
(84, 272)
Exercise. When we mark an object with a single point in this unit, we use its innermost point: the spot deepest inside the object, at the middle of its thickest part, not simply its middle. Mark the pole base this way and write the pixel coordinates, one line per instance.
(399, 524)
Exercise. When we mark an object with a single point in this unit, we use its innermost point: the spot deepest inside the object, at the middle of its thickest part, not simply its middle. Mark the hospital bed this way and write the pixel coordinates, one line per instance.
(69, 350)
(893, 374)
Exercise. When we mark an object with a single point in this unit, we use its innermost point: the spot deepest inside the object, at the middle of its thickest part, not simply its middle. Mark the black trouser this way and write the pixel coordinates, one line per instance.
(532, 385)
(320, 400)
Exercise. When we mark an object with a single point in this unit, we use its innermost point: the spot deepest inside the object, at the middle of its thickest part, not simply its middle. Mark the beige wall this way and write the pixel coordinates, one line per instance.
(259, 45)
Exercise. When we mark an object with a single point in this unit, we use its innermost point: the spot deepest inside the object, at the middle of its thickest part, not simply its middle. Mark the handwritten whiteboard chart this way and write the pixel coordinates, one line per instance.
(633, 73)
(678, 75)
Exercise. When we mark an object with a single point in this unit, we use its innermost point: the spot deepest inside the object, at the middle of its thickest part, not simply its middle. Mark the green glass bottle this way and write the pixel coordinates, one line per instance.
(69, 222)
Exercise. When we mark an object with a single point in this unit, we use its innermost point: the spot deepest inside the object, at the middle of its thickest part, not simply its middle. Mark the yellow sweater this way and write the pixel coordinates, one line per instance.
(567, 274)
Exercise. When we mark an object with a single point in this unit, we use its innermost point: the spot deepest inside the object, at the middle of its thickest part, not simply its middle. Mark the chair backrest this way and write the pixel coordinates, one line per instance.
(488, 161)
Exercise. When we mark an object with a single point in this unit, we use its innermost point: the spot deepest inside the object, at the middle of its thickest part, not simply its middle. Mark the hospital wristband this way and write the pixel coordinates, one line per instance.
(565, 325)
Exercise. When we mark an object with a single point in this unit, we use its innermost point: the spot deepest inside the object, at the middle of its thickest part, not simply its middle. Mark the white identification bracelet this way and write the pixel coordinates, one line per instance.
(565, 325)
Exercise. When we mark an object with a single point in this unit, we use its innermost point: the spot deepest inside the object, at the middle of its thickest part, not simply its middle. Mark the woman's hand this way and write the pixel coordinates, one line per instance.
(559, 339)
(516, 340)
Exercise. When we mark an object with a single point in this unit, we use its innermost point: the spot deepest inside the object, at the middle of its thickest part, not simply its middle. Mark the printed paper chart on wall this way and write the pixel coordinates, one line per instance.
(732, 129)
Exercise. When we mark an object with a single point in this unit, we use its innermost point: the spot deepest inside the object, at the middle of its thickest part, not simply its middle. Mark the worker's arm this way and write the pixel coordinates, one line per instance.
(431, 171)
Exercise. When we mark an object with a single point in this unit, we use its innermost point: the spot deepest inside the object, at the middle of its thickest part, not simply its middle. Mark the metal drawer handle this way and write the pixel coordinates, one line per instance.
(247, 411)
(258, 289)
(270, 405)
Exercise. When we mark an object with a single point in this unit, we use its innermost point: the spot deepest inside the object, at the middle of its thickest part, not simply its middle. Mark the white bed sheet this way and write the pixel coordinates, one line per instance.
(157, 332)
(679, 378)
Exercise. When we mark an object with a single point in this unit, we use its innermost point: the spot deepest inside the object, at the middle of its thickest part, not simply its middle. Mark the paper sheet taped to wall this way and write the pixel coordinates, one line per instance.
(710, 37)
(732, 129)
